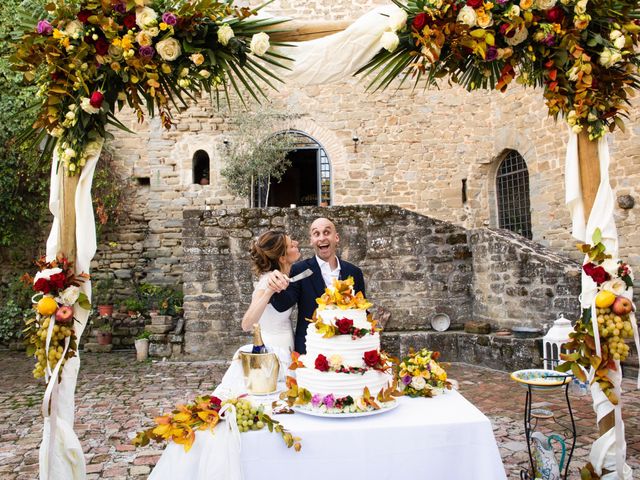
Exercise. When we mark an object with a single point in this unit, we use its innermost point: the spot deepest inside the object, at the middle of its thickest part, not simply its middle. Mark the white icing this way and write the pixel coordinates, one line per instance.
(351, 350)
(329, 315)
(342, 384)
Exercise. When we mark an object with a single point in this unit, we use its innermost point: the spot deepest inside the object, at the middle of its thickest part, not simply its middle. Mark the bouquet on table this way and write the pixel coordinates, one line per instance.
(420, 375)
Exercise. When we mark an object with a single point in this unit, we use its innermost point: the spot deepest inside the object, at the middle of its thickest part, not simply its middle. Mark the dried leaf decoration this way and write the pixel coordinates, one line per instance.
(341, 295)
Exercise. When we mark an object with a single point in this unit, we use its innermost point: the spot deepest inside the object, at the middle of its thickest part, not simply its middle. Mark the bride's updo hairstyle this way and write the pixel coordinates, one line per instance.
(267, 250)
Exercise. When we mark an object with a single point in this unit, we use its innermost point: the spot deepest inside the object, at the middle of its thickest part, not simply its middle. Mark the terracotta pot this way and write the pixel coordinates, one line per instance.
(105, 310)
(132, 313)
(104, 338)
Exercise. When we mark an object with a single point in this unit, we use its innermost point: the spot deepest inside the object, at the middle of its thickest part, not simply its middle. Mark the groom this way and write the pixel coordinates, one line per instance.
(325, 266)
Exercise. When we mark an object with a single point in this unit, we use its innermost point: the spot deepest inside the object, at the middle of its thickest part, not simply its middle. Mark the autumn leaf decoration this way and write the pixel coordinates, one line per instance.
(341, 295)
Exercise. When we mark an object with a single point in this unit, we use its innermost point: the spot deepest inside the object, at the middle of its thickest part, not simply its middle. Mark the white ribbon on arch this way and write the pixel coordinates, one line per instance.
(608, 452)
(61, 454)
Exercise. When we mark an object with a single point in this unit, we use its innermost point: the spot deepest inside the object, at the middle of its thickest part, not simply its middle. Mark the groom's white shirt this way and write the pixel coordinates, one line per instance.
(327, 274)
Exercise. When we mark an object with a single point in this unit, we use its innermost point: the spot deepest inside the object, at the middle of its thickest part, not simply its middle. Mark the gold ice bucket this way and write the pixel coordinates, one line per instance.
(260, 372)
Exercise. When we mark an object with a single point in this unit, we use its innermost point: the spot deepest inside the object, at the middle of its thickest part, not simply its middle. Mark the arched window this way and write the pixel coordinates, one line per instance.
(201, 167)
(512, 193)
(307, 182)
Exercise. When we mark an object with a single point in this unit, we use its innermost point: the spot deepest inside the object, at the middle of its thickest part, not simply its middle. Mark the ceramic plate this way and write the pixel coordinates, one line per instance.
(539, 378)
(314, 413)
(440, 322)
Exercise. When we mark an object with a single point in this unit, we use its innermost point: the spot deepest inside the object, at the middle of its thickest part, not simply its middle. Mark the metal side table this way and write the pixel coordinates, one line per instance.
(544, 380)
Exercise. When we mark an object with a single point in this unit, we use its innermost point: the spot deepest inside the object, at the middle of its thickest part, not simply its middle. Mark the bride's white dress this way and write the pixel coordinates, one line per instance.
(277, 336)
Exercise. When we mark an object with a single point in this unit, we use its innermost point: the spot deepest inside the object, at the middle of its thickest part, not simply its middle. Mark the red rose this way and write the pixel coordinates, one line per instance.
(83, 15)
(474, 3)
(42, 285)
(96, 99)
(102, 46)
(372, 358)
(215, 402)
(598, 274)
(344, 325)
(129, 21)
(507, 30)
(555, 14)
(322, 363)
(56, 281)
(420, 21)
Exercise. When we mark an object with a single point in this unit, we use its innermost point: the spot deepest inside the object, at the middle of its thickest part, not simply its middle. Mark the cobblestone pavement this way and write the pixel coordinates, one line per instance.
(117, 396)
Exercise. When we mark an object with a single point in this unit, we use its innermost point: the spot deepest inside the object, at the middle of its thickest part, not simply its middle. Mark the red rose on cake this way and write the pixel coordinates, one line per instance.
(344, 325)
(322, 363)
(372, 358)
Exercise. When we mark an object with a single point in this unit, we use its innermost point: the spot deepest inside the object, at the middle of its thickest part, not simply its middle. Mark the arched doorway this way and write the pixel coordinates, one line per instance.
(307, 181)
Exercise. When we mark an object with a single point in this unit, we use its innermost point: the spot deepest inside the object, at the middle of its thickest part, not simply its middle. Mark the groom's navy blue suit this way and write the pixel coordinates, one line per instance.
(305, 292)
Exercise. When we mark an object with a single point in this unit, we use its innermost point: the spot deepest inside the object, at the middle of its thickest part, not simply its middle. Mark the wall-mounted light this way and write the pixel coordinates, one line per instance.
(356, 140)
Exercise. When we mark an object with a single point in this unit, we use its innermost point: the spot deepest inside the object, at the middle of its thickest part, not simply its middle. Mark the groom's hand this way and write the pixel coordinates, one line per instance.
(278, 281)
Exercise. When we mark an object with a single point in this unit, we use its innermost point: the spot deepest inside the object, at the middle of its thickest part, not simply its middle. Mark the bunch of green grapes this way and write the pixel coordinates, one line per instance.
(56, 346)
(613, 330)
(248, 417)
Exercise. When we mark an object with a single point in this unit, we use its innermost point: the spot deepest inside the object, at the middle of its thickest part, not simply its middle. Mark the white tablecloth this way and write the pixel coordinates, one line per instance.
(439, 438)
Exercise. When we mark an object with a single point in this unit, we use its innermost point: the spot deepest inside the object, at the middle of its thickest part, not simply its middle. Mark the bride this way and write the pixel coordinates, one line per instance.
(272, 250)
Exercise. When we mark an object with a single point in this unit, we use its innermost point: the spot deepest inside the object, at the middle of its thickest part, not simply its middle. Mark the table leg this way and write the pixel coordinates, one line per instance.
(573, 432)
(527, 427)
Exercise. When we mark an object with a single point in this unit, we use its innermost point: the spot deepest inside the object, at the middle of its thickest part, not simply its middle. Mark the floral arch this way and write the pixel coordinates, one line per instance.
(90, 58)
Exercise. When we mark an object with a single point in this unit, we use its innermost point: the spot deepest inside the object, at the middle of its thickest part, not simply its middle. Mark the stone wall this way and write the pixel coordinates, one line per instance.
(414, 266)
(517, 282)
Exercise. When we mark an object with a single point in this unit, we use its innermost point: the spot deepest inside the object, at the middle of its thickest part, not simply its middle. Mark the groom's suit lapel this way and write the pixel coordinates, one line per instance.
(316, 279)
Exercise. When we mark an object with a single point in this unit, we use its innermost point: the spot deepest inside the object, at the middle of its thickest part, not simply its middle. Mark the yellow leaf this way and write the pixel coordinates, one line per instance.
(490, 39)
(478, 33)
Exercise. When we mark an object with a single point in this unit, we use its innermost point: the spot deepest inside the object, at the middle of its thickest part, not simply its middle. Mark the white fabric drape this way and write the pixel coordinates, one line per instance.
(608, 452)
(338, 56)
(61, 455)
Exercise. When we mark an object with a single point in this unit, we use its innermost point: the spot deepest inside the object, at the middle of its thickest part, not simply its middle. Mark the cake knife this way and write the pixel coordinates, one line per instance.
(307, 273)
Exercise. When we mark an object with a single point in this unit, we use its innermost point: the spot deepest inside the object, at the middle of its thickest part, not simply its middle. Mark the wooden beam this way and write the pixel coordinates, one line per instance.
(589, 172)
(298, 31)
(68, 217)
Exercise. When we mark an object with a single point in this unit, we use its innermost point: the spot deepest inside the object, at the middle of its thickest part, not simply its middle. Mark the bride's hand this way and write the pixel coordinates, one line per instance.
(278, 281)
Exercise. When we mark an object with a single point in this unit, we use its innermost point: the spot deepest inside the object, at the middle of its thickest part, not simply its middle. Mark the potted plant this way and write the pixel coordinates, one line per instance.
(104, 334)
(142, 345)
(104, 296)
(133, 306)
(152, 295)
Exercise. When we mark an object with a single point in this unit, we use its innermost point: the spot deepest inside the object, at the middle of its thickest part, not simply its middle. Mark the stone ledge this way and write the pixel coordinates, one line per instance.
(96, 347)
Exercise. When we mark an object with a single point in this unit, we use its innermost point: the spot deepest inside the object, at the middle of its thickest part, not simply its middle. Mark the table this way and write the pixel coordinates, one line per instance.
(439, 438)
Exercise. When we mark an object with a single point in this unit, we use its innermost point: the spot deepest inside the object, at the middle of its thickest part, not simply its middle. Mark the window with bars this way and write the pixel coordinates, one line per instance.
(512, 193)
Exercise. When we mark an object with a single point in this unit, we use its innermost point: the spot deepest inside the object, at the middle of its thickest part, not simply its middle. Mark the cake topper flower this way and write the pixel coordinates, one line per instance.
(341, 295)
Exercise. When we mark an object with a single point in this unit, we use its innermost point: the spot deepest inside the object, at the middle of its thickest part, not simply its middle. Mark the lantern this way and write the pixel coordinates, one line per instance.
(552, 342)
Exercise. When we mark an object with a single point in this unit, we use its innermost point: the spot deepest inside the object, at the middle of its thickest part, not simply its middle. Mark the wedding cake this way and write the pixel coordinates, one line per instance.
(343, 370)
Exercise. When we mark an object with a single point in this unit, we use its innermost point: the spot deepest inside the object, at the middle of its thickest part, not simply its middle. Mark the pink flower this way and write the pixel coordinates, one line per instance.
(147, 51)
(329, 401)
(169, 18)
(44, 27)
(316, 400)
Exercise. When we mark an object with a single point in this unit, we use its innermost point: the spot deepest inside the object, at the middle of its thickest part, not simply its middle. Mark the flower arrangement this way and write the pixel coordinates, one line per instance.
(90, 57)
(301, 397)
(583, 53)
(340, 295)
(204, 414)
(420, 375)
(614, 317)
(344, 326)
(49, 335)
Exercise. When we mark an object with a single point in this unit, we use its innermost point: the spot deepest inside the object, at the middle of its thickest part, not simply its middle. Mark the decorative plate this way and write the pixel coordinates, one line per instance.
(440, 322)
(315, 413)
(539, 378)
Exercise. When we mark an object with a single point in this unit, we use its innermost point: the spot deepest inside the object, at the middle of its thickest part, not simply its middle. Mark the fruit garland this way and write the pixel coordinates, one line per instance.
(613, 312)
(50, 335)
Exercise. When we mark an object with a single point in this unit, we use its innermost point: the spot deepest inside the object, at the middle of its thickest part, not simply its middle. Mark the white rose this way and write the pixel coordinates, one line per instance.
(69, 296)
(615, 286)
(87, 107)
(57, 132)
(204, 73)
(468, 16)
(619, 42)
(169, 49)
(46, 274)
(389, 41)
(545, 4)
(611, 266)
(73, 29)
(146, 17)
(519, 37)
(513, 12)
(225, 33)
(581, 7)
(418, 383)
(335, 361)
(609, 57)
(397, 20)
(152, 31)
(259, 44)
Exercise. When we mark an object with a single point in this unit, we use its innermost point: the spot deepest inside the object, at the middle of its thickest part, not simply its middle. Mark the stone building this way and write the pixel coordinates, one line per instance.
(475, 160)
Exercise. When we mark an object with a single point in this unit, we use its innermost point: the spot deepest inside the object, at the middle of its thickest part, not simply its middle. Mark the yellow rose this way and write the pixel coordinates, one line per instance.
(197, 58)
(526, 4)
(485, 19)
(144, 39)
